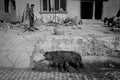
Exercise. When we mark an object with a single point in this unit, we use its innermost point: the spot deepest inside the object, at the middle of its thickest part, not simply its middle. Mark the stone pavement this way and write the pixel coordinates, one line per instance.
(20, 74)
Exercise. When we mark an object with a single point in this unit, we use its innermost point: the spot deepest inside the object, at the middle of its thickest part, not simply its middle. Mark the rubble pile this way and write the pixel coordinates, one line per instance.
(72, 21)
(67, 25)
(113, 22)
(6, 26)
(66, 22)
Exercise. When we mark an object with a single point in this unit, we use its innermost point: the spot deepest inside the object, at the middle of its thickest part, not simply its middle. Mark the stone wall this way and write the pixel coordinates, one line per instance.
(85, 45)
(18, 51)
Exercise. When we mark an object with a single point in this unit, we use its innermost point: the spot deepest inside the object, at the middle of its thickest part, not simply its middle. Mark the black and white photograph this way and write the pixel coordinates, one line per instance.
(59, 39)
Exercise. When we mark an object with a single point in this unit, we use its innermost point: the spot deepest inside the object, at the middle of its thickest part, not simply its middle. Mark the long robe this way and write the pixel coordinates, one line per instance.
(31, 17)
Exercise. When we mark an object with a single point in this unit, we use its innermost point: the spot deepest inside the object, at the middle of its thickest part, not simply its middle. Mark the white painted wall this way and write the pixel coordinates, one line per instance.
(6, 16)
(111, 8)
(73, 7)
(3, 15)
(20, 6)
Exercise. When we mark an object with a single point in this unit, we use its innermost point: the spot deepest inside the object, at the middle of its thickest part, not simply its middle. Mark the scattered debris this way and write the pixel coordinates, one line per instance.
(51, 23)
(6, 26)
(113, 22)
(71, 21)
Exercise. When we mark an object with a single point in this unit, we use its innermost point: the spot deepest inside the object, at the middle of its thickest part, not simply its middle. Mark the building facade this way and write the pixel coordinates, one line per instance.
(83, 9)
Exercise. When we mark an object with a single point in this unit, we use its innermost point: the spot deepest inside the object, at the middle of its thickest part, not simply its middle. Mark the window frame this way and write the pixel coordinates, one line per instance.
(49, 12)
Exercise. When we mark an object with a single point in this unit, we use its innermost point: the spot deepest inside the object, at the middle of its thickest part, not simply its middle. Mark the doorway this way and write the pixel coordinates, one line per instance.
(98, 10)
(91, 9)
(86, 10)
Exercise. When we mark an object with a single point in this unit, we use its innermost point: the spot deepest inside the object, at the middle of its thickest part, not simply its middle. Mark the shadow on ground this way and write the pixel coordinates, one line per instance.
(89, 67)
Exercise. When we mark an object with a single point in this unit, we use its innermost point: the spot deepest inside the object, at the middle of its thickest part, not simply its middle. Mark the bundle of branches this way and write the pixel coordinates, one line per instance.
(52, 23)
(69, 22)
(72, 21)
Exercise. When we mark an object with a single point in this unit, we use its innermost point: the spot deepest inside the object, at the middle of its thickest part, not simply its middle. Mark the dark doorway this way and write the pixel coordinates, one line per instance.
(86, 10)
(98, 10)
(6, 3)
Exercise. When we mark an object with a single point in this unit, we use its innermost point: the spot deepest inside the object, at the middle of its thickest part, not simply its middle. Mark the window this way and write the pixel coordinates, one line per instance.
(8, 4)
(53, 6)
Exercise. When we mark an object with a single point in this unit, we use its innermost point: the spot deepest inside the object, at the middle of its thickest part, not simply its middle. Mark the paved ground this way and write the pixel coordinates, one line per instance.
(17, 74)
